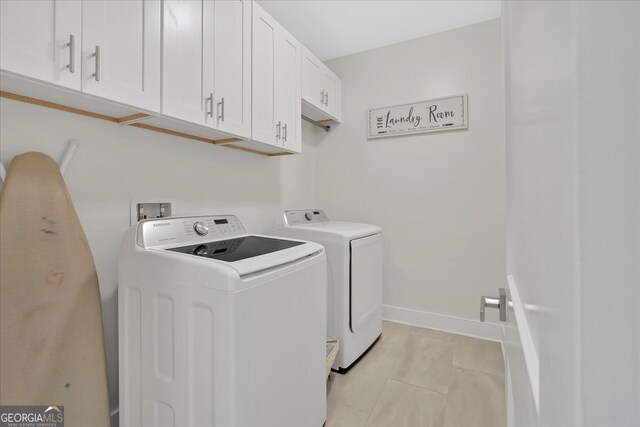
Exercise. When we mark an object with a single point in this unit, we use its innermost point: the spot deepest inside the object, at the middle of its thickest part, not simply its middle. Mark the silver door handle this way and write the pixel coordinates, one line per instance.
(492, 302)
(209, 101)
(221, 109)
(284, 131)
(278, 130)
(96, 54)
(322, 98)
(72, 53)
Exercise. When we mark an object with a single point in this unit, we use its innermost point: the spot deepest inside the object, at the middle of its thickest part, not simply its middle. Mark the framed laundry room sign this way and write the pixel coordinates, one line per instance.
(434, 115)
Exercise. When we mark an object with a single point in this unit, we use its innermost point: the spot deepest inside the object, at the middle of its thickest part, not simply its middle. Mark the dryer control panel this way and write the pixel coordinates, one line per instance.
(186, 230)
(304, 216)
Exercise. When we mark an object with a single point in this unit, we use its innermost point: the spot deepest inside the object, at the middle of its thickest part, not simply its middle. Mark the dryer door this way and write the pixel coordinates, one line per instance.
(365, 284)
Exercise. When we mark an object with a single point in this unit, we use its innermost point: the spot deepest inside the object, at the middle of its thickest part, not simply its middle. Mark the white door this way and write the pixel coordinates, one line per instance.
(42, 40)
(311, 91)
(365, 288)
(329, 83)
(232, 87)
(572, 339)
(187, 61)
(121, 51)
(265, 35)
(288, 103)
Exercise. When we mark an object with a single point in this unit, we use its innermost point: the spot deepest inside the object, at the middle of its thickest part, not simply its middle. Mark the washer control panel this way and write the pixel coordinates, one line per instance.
(304, 216)
(200, 228)
(185, 230)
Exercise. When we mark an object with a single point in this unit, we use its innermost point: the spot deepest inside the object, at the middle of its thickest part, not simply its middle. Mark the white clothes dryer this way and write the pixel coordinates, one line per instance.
(218, 327)
(354, 288)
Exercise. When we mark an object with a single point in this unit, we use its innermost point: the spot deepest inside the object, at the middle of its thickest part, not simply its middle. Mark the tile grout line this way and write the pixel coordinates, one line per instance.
(422, 387)
(354, 408)
(446, 403)
(376, 402)
(478, 370)
(381, 391)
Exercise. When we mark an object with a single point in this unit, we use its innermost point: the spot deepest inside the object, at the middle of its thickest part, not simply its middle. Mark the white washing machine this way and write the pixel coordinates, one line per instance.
(218, 327)
(354, 289)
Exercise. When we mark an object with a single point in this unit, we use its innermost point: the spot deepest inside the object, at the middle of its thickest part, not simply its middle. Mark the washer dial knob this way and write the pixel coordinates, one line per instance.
(200, 229)
(309, 216)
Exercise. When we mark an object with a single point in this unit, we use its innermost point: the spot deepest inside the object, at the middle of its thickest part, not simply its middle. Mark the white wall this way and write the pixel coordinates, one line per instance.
(117, 163)
(439, 197)
(573, 161)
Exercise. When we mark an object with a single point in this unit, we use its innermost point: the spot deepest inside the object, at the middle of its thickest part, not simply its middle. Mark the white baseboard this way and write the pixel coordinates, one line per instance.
(441, 322)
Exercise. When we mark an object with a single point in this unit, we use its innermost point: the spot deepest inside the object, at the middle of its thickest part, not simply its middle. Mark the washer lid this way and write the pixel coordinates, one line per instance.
(232, 250)
(247, 254)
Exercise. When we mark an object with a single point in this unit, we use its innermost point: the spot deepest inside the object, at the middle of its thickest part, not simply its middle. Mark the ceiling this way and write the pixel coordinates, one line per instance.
(334, 28)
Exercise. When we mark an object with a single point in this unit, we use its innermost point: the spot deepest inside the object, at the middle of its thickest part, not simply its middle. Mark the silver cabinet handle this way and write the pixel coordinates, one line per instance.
(97, 56)
(322, 98)
(284, 132)
(492, 302)
(209, 103)
(72, 53)
(221, 109)
(278, 130)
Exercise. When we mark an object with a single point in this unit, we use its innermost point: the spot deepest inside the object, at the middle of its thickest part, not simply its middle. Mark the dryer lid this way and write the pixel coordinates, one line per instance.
(315, 221)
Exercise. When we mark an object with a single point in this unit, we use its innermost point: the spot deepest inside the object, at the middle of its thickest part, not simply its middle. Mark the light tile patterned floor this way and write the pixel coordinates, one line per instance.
(416, 377)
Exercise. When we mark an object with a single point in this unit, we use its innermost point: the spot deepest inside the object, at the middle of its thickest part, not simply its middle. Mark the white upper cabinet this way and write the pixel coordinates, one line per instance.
(232, 81)
(288, 91)
(42, 40)
(331, 86)
(311, 78)
(207, 63)
(276, 83)
(263, 116)
(121, 51)
(187, 64)
(321, 89)
(213, 69)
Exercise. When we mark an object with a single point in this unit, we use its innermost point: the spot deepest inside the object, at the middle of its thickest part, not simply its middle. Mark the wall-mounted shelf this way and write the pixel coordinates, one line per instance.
(29, 91)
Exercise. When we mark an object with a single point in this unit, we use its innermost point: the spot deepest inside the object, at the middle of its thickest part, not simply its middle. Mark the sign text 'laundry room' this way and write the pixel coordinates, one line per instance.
(427, 116)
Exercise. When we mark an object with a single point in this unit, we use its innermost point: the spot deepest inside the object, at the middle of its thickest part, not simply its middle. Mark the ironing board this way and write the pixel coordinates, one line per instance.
(51, 337)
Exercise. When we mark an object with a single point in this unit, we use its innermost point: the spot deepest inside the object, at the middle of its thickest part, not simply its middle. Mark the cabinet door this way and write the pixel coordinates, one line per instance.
(311, 91)
(232, 87)
(265, 32)
(187, 60)
(288, 93)
(330, 84)
(121, 51)
(35, 40)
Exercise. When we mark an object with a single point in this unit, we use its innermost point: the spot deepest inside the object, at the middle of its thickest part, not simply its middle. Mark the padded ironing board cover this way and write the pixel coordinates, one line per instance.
(51, 337)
